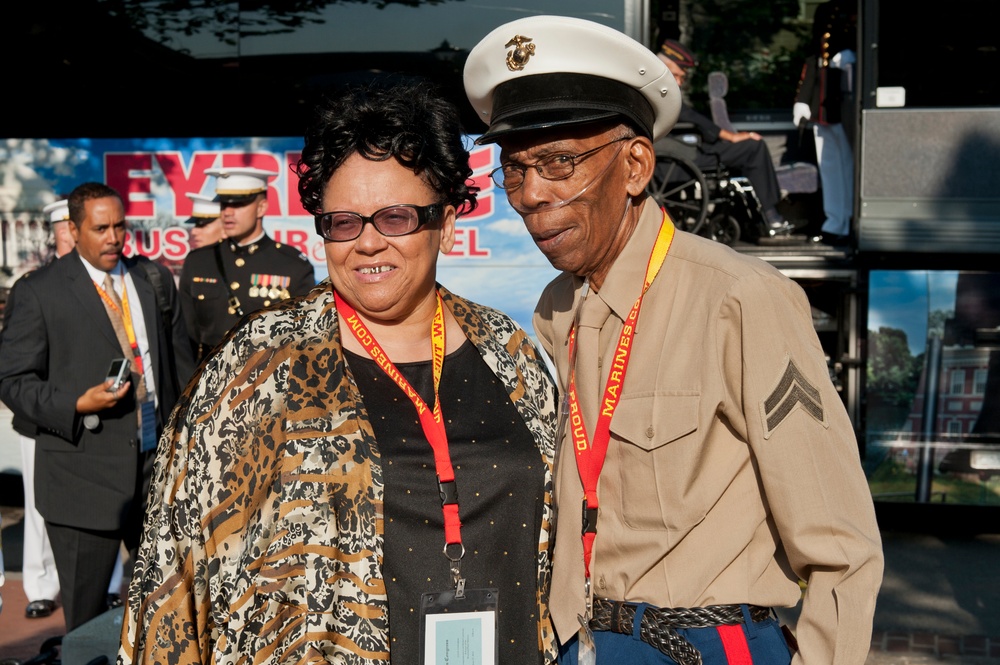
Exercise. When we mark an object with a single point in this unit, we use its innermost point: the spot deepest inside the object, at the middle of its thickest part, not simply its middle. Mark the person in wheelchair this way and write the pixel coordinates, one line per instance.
(744, 151)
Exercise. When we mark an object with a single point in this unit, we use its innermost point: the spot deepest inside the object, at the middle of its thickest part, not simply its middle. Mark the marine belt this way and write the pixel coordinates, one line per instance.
(658, 625)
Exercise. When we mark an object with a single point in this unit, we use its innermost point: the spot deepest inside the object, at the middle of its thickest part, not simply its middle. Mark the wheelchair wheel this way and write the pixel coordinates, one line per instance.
(724, 228)
(679, 186)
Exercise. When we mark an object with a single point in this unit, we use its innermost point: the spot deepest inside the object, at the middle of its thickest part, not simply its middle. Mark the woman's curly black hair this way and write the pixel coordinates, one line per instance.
(408, 121)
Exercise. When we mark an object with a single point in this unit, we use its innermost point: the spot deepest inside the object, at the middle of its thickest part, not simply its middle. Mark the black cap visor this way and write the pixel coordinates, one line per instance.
(237, 200)
(200, 221)
(552, 100)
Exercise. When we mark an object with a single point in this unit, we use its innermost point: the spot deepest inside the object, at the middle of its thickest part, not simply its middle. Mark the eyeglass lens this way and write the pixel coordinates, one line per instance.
(554, 167)
(398, 220)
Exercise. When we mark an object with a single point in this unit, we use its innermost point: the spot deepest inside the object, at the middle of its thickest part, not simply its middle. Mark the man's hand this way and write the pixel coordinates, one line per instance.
(99, 397)
(736, 137)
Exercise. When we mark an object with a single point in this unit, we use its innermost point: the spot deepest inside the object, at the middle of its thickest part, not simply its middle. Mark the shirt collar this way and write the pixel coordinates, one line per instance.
(256, 238)
(624, 281)
(98, 275)
(248, 247)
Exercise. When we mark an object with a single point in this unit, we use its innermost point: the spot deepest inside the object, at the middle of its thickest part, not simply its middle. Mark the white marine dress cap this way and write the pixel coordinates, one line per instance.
(240, 181)
(547, 71)
(57, 211)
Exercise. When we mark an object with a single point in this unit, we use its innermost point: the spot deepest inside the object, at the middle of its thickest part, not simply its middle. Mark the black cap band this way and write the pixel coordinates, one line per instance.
(550, 100)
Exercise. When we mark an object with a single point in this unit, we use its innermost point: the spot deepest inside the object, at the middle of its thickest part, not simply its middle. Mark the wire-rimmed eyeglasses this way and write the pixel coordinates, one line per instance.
(559, 166)
(395, 220)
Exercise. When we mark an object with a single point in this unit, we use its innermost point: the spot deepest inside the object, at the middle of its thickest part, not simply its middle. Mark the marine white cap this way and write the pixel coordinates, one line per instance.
(204, 210)
(57, 211)
(240, 181)
(548, 71)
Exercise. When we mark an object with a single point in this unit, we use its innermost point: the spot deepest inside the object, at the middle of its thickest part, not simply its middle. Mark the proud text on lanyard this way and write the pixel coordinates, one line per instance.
(590, 456)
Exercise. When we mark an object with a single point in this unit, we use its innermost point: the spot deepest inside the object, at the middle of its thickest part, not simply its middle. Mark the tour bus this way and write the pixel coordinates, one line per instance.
(145, 97)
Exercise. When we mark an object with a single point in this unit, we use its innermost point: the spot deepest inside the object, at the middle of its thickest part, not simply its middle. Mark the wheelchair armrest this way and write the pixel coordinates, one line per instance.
(680, 145)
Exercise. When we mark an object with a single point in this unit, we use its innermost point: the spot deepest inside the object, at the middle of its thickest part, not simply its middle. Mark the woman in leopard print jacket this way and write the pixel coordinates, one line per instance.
(295, 514)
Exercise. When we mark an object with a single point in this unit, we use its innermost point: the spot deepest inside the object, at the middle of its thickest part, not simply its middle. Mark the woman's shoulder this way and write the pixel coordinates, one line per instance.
(296, 321)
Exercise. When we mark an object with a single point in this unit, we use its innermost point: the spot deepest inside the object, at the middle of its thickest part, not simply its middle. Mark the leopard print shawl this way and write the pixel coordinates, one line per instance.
(262, 541)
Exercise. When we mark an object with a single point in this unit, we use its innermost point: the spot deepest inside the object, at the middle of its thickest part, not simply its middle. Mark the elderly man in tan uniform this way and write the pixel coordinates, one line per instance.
(714, 461)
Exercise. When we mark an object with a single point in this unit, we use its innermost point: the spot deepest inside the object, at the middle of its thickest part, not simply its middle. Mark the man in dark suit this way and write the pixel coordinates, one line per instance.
(94, 447)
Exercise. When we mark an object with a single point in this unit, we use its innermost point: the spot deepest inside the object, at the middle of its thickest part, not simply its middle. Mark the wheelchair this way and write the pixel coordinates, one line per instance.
(715, 202)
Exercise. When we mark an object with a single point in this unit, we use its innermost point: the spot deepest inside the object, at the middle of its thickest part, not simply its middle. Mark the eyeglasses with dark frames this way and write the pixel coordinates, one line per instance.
(392, 221)
(559, 166)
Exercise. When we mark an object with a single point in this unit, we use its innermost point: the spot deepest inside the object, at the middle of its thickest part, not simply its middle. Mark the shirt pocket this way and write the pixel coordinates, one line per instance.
(211, 300)
(656, 447)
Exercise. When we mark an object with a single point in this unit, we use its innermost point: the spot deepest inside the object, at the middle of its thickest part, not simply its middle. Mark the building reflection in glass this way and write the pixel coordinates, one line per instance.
(933, 427)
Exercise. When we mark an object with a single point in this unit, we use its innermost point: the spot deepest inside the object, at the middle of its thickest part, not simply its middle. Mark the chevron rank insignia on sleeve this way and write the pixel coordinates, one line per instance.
(793, 391)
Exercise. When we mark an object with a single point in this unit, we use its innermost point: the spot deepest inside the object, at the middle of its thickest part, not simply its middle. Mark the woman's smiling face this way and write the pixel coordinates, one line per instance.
(385, 278)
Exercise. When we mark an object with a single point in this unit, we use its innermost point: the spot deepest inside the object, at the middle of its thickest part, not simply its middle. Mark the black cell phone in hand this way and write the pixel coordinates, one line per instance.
(119, 373)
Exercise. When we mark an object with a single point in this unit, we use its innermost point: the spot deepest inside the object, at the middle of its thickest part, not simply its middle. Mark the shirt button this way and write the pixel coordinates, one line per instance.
(649, 432)
(201, 296)
(601, 584)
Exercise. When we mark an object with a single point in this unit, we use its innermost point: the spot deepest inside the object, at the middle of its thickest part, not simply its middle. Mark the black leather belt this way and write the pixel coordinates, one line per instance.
(658, 625)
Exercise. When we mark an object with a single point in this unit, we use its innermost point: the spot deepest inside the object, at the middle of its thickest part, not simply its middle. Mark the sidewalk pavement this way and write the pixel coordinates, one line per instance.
(939, 601)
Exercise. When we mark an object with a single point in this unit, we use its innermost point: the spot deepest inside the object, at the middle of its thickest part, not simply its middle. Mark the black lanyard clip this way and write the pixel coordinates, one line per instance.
(448, 492)
(589, 518)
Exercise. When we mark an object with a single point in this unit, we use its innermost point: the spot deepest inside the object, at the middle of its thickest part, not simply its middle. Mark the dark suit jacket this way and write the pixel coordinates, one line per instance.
(57, 342)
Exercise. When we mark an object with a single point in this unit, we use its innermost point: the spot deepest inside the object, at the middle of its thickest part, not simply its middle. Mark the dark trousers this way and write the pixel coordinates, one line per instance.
(762, 640)
(751, 158)
(85, 558)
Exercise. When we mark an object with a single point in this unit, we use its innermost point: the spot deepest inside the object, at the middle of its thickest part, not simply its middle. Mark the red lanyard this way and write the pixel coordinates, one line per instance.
(430, 419)
(590, 456)
(126, 315)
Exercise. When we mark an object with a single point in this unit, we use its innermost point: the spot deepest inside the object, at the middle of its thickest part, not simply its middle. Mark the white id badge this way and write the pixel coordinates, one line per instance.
(459, 631)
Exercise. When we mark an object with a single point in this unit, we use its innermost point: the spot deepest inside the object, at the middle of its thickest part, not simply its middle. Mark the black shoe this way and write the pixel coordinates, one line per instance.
(39, 609)
(782, 229)
(778, 226)
(773, 218)
(114, 600)
(835, 240)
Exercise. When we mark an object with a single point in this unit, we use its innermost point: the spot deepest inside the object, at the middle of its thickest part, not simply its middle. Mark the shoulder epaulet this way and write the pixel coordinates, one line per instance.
(204, 249)
(288, 250)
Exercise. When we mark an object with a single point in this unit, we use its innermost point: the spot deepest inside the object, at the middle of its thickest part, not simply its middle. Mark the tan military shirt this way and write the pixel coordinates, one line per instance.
(733, 469)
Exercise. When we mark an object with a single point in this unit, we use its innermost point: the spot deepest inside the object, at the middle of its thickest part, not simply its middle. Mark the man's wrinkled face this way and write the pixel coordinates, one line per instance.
(574, 237)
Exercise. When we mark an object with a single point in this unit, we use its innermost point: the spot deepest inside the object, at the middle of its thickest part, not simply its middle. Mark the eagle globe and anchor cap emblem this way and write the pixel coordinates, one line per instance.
(518, 57)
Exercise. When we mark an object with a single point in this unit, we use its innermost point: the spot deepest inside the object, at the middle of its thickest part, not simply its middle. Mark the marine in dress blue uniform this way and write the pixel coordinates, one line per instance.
(244, 272)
